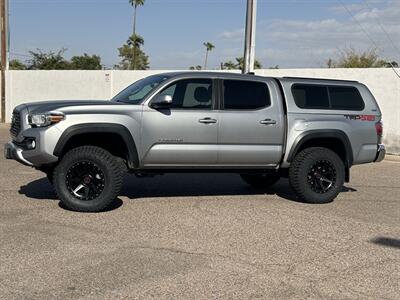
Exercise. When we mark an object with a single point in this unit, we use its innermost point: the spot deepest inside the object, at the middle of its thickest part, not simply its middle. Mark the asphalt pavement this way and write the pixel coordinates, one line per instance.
(201, 236)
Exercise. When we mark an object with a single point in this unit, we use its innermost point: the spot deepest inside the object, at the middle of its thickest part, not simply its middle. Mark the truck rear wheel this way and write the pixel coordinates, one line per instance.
(261, 180)
(88, 179)
(317, 175)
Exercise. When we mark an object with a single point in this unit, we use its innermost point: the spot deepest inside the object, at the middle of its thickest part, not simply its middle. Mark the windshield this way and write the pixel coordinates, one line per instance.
(135, 93)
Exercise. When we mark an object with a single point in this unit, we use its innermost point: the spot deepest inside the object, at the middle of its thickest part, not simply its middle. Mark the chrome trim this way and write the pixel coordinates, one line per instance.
(21, 157)
(14, 152)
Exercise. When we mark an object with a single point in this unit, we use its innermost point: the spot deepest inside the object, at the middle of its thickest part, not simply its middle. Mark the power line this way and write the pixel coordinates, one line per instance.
(359, 24)
(387, 35)
(382, 28)
(367, 34)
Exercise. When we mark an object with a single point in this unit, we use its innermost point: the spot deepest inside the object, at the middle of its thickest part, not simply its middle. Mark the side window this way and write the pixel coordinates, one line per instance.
(190, 94)
(250, 95)
(346, 98)
(169, 90)
(311, 96)
(327, 97)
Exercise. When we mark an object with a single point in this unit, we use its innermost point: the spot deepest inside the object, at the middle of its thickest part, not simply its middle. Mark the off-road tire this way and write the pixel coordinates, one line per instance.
(300, 175)
(109, 165)
(264, 180)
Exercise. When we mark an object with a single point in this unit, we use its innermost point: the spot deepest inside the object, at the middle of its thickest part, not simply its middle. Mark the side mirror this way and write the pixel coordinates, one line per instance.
(161, 101)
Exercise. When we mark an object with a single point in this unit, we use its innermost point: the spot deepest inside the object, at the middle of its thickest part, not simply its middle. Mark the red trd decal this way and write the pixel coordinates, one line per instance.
(360, 117)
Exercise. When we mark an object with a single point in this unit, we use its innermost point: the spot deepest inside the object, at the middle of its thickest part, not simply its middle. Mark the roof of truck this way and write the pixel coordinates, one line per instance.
(210, 74)
(317, 79)
(217, 74)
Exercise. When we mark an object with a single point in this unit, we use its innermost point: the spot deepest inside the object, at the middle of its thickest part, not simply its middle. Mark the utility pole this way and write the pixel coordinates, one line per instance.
(134, 36)
(4, 55)
(250, 37)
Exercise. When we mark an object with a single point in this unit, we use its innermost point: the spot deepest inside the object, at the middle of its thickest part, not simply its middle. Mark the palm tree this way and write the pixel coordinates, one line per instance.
(229, 65)
(131, 51)
(209, 47)
(240, 63)
(136, 41)
(135, 4)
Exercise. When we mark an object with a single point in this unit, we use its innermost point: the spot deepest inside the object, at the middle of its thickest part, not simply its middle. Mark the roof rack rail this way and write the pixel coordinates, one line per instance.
(327, 79)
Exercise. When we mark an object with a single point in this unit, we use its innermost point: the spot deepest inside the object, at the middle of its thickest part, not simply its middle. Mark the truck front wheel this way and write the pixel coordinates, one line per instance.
(317, 175)
(88, 179)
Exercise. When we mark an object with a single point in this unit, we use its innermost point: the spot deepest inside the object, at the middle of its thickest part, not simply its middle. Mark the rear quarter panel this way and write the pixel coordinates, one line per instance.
(359, 126)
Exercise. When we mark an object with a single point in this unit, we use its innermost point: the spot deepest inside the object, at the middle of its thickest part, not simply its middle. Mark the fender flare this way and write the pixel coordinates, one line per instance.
(122, 131)
(319, 134)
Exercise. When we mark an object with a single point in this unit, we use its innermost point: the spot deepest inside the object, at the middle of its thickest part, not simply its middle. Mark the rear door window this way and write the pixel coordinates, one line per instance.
(245, 95)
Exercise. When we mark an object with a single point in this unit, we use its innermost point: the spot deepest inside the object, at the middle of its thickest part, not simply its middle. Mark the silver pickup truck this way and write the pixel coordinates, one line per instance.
(309, 130)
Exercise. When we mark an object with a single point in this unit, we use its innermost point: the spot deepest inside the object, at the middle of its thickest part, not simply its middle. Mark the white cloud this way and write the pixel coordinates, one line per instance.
(304, 43)
(233, 35)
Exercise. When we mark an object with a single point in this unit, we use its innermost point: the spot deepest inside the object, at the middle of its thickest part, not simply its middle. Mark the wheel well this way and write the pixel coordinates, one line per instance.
(112, 142)
(334, 144)
(114, 138)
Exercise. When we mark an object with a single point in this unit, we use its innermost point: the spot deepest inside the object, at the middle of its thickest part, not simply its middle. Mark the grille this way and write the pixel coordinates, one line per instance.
(15, 124)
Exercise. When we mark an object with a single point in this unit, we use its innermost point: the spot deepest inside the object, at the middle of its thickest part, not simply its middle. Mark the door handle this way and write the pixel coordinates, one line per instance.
(208, 121)
(268, 122)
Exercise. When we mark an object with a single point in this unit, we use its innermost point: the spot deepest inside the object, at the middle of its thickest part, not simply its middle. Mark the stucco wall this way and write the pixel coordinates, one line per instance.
(27, 86)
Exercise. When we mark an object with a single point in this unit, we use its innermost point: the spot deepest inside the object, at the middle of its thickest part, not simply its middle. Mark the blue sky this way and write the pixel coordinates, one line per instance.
(290, 33)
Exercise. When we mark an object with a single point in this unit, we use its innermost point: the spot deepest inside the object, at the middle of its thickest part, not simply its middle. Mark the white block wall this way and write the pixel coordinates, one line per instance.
(28, 86)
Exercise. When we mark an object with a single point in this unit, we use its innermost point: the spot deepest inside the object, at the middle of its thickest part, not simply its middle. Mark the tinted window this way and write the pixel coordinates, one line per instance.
(245, 95)
(190, 93)
(311, 96)
(327, 97)
(345, 98)
(136, 92)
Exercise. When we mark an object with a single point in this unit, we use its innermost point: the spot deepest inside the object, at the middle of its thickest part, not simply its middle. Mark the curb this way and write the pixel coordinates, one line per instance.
(391, 157)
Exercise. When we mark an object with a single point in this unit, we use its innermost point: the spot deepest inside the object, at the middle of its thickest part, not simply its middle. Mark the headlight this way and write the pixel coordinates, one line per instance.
(43, 120)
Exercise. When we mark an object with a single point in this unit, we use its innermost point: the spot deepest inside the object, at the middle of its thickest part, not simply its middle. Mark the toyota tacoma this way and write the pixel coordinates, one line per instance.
(309, 130)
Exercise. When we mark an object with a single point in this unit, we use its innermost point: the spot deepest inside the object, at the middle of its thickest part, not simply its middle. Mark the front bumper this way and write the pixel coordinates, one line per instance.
(380, 153)
(12, 151)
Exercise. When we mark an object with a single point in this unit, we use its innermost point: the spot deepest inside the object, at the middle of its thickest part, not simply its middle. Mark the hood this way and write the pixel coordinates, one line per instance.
(47, 106)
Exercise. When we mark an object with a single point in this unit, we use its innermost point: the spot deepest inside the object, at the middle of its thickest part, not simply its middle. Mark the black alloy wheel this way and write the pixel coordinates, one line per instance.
(88, 179)
(85, 180)
(317, 175)
(322, 176)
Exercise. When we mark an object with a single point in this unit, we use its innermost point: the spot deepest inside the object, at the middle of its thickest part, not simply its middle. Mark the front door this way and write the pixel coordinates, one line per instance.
(185, 134)
(251, 128)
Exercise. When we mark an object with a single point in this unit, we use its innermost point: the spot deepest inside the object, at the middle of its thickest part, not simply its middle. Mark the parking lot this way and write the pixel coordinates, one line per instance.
(201, 236)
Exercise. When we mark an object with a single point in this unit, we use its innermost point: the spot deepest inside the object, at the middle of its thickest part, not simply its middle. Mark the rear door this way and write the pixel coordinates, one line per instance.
(251, 128)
